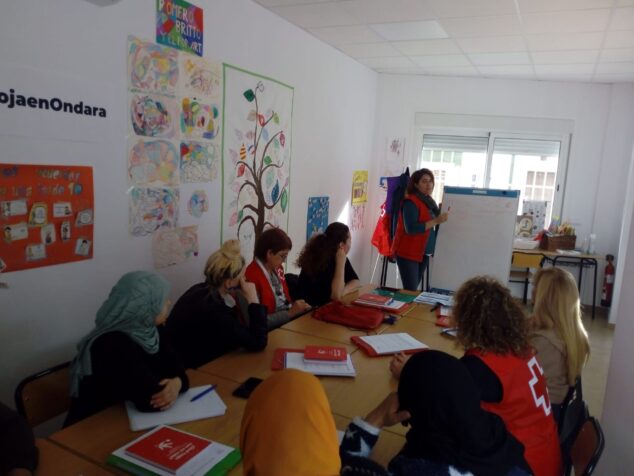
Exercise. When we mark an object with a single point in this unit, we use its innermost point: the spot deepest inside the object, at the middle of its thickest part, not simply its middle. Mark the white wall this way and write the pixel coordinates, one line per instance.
(46, 310)
(601, 140)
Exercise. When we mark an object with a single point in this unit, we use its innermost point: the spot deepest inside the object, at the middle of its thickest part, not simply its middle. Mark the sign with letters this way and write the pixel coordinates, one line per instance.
(179, 24)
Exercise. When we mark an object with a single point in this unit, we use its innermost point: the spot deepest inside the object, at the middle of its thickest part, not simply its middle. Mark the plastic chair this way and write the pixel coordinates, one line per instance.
(586, 449)
(44, 395)
(521, 266)
(574, 412)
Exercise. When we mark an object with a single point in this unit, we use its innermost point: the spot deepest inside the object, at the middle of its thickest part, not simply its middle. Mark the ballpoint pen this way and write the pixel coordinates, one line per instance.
(203, 393)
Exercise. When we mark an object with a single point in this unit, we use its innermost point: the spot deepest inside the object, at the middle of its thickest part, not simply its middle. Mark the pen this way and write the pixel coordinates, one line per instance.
(203, 393)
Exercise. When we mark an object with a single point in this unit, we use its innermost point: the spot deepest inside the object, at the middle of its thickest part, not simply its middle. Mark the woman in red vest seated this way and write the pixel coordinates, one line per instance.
(415, 235)
(266, 272)
(494, 331)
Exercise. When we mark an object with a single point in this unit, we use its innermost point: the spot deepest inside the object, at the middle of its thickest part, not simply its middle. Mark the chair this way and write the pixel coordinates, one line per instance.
(573, 413)
(586, 449)
(292, 281)
(521, 266)
(44, 395)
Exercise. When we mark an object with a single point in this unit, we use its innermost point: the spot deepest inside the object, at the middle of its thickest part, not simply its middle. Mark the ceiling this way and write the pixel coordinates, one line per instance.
(567, 40)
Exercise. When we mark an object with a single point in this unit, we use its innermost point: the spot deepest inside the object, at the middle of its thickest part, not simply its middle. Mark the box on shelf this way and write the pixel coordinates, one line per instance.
(558, 242)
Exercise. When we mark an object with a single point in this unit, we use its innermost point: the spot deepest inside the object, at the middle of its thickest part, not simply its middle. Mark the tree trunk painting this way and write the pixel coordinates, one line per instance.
(256, 156)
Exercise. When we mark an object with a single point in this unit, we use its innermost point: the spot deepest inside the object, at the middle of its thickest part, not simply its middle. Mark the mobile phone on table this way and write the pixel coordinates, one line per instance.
(246, 387)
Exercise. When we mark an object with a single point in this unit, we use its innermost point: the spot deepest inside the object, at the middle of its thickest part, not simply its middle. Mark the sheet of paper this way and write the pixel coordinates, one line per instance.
(295, 360)
(434, 298)
(393, 343)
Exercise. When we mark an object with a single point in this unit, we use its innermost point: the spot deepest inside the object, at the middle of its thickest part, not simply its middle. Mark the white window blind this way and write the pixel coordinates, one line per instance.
(544, 148)
(455, 143)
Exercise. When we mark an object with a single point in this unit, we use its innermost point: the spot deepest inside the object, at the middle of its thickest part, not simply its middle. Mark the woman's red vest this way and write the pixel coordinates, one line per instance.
(255, 274)
(408, 246)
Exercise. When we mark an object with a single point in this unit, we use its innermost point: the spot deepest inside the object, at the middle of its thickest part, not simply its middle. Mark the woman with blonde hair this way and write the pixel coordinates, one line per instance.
(559, 337)
(220, 314)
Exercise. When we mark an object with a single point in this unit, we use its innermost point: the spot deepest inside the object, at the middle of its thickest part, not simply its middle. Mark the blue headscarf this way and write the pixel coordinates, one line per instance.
(132, 307)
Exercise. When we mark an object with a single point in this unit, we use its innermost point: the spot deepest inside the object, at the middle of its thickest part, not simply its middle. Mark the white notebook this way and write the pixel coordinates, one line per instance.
(295, 360)
(392, 343)
(208, 405)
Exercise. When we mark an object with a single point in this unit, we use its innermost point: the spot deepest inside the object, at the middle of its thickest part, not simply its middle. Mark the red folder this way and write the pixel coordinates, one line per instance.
(326, 353)
(278, 357)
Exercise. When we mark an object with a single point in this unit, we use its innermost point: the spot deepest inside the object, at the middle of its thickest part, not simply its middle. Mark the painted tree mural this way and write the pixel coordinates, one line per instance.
(257, 136)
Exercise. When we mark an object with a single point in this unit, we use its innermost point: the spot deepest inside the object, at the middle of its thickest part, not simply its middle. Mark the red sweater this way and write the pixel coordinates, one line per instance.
(525, 409)
(255, 274)
(411, 246)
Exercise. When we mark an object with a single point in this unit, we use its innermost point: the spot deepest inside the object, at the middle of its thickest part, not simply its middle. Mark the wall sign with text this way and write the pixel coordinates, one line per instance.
(179, 24)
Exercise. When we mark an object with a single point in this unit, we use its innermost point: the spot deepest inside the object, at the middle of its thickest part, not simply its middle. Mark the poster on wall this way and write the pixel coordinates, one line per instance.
(317, 219)
(357, 213)
(46, 214)
(256, 155)
(359, 186)
(152, 68)
(152, 209)
(179, 24)
(174, 246)
(394, 157)
(152, 163)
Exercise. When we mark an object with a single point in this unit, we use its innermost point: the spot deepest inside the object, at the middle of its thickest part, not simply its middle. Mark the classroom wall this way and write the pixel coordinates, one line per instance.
(45, 311)
(601, 140)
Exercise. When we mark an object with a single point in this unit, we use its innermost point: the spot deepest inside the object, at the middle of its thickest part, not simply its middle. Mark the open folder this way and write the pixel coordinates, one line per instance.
(209, 405)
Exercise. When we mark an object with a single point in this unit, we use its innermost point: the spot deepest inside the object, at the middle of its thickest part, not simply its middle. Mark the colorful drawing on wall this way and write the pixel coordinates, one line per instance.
(199, 120)
(154, 116)
(152, 68)
(199, 161)
(317, 219)
(51, 194)
(174, 246)
(152, 208)
(200, 78)
(357, 213)
(179, 24)
(198, 204)
(256, 155)
(360, 186)
(152, 163)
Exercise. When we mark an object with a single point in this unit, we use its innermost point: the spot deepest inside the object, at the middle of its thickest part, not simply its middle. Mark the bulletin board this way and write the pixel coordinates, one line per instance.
(46, 215)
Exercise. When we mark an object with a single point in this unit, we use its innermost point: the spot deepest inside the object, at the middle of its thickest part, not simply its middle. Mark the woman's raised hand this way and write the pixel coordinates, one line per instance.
(249, 291)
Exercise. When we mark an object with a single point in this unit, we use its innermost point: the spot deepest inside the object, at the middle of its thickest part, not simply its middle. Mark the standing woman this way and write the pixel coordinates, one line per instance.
(267, 273)
(326, 271)
(415, 235)
(127, 356)
(220, 314)
(558, 336)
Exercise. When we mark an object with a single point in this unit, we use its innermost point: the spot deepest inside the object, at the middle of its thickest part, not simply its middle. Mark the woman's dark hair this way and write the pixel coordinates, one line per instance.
(321, 249)
(415, 178)
(274, 239)
(489, 318)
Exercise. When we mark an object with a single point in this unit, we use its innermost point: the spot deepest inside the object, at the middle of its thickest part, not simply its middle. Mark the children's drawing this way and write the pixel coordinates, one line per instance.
(153, 116)
(173, 246)
(38, 214)
(199, 120)
(47, 234)
(152, 68)
(152, 208)
(359, 186)
(199, 161)
(356, 217)
(15, 232)
(257, 155)
(198, 203)
(13, 208)
(394, 158)
(200, 78)
(152, 163)
(317, 219)
(35, 252)
(82, 247)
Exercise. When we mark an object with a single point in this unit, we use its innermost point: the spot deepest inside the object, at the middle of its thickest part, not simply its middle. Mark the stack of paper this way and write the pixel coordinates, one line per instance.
(295, 360)
(434, 298)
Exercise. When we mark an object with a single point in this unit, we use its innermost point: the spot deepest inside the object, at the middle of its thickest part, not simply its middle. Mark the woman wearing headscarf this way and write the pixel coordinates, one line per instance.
(415, 236)
(220, 314)
(127, 356)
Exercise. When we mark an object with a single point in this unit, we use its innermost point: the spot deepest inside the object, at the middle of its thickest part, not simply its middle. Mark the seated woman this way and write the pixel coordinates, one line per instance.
(18, 453)
(267, 273)
(212, 317)
(326, 271)
(558, 336)
(494, 330)
(127, 356)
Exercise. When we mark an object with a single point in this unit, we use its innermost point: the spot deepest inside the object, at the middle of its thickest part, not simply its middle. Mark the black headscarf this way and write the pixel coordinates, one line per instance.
(447, 423)
(429, 202)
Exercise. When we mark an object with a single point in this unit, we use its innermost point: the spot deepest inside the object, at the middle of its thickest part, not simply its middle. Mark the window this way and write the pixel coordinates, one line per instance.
(508, 162)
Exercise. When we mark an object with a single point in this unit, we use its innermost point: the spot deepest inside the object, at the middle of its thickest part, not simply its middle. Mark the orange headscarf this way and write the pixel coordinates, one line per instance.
(288, 429)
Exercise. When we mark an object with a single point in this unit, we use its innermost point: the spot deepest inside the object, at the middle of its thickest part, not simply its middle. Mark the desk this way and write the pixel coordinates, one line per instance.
(581, 260)
(308, 325)
(55, 460)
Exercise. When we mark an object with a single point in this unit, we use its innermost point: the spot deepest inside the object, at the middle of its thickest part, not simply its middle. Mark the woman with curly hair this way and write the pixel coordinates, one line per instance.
(558, 336)
(494, 331)
(326, 271)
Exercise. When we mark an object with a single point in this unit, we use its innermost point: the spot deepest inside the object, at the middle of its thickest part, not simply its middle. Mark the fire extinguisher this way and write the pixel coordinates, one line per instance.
(608, 282)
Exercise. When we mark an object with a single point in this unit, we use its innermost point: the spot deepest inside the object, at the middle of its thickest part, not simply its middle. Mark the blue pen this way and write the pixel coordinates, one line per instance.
(203, 393)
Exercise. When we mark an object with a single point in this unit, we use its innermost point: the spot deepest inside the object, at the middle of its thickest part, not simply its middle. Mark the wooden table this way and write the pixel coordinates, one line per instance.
(55, 461)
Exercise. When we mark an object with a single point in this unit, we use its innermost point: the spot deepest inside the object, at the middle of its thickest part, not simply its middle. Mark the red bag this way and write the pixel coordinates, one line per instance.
(349, 315)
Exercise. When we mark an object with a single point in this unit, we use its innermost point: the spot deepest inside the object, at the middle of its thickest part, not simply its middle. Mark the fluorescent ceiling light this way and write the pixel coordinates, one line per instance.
(411, 30)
